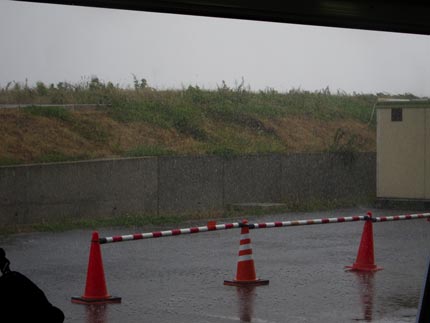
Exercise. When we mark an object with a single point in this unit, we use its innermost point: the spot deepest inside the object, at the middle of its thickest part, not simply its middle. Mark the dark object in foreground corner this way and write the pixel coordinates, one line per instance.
(423, 315)
(21, 300)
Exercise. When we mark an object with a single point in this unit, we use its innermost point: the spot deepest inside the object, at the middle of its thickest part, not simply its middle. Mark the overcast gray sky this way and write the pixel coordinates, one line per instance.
(53, 43)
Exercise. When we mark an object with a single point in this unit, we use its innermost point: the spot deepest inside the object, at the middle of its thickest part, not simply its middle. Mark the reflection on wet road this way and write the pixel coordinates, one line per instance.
(366, 290)
(245, 297)
(96, 313)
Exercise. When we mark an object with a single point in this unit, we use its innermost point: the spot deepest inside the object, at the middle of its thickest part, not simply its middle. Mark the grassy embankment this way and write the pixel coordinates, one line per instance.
(192, 121)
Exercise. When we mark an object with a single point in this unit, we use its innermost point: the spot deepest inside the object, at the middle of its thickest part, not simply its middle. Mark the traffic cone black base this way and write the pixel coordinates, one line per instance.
(108, 300)
(239, 283)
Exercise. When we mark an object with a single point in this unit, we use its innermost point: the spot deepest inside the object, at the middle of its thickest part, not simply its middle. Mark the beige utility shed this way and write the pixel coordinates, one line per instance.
(403, 149)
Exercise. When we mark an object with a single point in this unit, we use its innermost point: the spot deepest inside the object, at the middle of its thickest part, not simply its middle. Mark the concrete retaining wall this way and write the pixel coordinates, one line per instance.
(190, 184)
(34, 193)
(328, 176)
(39, 192)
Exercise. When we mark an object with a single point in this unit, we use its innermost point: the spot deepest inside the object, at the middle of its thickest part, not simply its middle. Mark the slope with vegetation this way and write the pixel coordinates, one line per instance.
(143, 121)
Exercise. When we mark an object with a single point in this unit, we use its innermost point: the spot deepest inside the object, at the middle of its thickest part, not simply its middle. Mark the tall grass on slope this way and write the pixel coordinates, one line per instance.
(167, 107)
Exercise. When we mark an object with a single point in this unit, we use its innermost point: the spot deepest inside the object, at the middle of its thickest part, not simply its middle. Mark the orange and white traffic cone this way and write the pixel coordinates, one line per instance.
(365, 258)
(95, 288)
(245, 274)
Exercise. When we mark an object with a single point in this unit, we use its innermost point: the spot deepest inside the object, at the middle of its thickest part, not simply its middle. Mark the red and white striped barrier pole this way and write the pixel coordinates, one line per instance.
(235, 225)
(401, 217)
(307, 222)
(169, 233)
(267, 225)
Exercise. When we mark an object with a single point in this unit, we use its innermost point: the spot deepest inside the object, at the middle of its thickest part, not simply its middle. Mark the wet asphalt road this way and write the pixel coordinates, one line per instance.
(180, 279)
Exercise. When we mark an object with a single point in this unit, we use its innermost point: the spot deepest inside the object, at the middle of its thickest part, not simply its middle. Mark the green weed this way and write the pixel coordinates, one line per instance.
(126, 220)
(222, 151)
(90, 130)
(58, 156)
(346, 145)
(320, 204)
(166, 220)
(59, 113)
(7, 161)
(150, 150)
